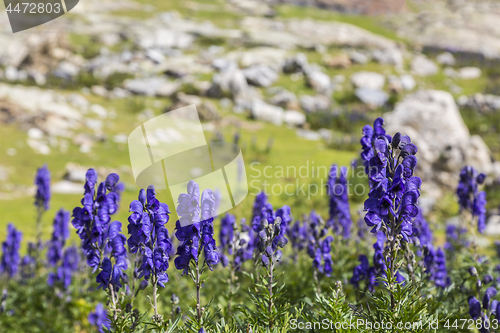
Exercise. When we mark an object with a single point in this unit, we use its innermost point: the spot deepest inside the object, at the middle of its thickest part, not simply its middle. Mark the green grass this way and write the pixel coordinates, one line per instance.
(370, 23)
(287, 150)
(215, 11)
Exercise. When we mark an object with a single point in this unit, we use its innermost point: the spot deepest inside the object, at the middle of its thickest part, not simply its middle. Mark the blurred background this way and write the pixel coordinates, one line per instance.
(292, 82)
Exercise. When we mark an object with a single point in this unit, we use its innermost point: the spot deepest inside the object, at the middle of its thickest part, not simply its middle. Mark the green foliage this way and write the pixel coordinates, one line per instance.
(407, 306)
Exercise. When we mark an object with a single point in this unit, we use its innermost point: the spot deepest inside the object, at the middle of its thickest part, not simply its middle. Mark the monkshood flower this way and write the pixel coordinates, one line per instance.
(421, 231)
(92, 219)
(455, 238)
(340, 216)
(441, 275)
(484, 310)
(195, 231)
(113, 273)
(393, 197)
(260, 201)
(469, 197)
(65, 271)
(99, 318)
(297, 234)
(394, 191)
(226, 237)
(9, 263)
(360, 272)
(149, 237)
(370, 135)
(246, 244)
(60, 234)
(318, 247)
(370, 274)
(42, 183)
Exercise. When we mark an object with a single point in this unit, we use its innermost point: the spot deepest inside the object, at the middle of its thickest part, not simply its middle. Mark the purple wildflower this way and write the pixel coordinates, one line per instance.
(149, 236)
(340, 216)
(394, 190)
(469, 197)
(59, 236)
(226, 237)
(195, 236)
(9, 262)
(64, 273)
(99, 318)
(42, 182)
(92, 219)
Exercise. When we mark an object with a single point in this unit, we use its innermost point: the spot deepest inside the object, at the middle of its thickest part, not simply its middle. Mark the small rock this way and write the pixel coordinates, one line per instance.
(446, 58)
(339, 61)
(66, 187)
(469, 73)
(294, 118)
(11, 74)
(266, 112)
(493, 226)
(285, 99)
(260, 75)
(391, 56)
(309, 135)
(450, 72)
(374, 97)
(370, 80)
(155, 56)
(99, 91)
(407, 81)
(319, 81)
(298, 63)
(35, 133)
(423, 66)
(66, 70)
(358, 57)
(109, 38)
(310, 103)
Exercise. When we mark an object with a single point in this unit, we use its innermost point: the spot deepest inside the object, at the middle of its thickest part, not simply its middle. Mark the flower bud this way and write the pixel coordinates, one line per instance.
(473, 271)
(282, 242)
(174, 299)
(178, 310)
(128, 308)
(279, 254)
(143, 284)
(261, 246)
(487, 279)
(264, 223)
(263, 235)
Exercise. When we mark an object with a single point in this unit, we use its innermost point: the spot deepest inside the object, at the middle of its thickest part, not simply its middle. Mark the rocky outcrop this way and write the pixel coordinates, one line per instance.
(432, 120)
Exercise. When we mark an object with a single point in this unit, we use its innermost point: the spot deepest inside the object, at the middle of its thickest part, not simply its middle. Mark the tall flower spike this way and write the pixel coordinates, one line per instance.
(92, 219)
(394, 192)
(99, 318)
(340, 215)
(226, 237)
(10, 260)
(64, 273)
(59, 236)
(197, 236)
(149, 236)
(42, 183)
(469, 197)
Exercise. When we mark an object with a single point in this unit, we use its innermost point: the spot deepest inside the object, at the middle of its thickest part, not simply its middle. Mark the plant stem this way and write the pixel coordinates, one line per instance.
(393, 253)
(270, 288)
(198, 288)
(113, 300)
(231, 292)
(155, 289)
